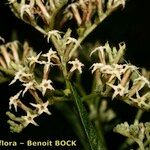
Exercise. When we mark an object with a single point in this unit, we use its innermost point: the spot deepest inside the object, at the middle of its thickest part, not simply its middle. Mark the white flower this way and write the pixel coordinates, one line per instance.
(46, 84)
(76, 65)
(28, 86)
(42, 107)
(51, 54)
(140, 100)
(118, 90)
(29, 118)
(34, 59)
(13, 100)
(21, 76)
(17, 76)
(54, 33)
(96, 66)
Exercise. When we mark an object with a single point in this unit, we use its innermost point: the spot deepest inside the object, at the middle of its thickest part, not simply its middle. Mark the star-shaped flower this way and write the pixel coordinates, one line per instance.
(21, 75)
(17, 76)
(76, 65)
(54, 33)
(118, 90)
(34, 59)
(42, 107)
(29, 85)
(13, 100)
(51, 54)
(29, 118)
(45, 85)
(141, 100)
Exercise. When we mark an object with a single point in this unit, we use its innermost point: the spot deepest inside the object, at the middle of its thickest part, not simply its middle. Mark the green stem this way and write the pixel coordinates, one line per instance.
(37, 99)
(95, 141)
(62, 58)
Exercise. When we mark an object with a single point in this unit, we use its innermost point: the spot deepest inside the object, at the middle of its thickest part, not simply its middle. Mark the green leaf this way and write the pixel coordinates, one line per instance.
(74, 121)
(95, 141)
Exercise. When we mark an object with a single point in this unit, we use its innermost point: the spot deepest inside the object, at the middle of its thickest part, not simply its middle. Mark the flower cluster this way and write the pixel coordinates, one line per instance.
(36, 11)
(125, 79)
(112, 76)
(42, 14)
(23, 68)
(84, 11)
(137, 132)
